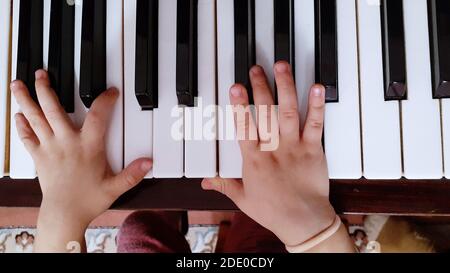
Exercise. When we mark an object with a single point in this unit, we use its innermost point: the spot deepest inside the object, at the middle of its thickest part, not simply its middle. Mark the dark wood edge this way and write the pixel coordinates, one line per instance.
(396, 197)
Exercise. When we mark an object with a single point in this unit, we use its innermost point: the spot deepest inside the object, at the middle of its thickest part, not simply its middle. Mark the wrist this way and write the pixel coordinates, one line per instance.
(340, 242)
(312, 223)
(57, 229)
(334, 239)
(59, 220)
(60, 213)
(316, 239)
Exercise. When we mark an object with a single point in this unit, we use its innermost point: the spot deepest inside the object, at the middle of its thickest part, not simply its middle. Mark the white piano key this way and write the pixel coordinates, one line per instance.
(21, 163)
(230, 159)
(446, 135)
(380, 118)
(422, 149)
(304, 52)
(5, 27)
(201, 132)
(46, 36)
(114, 78)
(168, 119)
(264, 35)
(342, 123)
(138, 141)
(80, 111)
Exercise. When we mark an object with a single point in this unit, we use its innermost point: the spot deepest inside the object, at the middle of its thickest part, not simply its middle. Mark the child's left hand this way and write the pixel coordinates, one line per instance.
(76, 180)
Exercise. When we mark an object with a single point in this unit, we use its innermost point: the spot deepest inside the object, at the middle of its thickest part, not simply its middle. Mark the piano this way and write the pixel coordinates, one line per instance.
(385, 65)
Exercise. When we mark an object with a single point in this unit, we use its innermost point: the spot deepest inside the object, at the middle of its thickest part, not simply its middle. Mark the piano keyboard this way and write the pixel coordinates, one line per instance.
(4, 73)
(385, 65)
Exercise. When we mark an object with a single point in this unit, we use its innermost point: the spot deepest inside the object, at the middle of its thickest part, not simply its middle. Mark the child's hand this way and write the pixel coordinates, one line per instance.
(76, 180)
(287, 190)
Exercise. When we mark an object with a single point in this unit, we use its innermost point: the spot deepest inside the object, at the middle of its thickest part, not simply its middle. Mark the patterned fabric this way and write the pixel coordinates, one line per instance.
(202, 239)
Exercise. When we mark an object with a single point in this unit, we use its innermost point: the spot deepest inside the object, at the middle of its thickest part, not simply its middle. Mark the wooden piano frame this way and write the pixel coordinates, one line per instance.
(393, 197)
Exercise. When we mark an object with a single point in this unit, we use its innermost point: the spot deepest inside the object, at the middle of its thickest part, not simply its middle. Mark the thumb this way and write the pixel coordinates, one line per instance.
(232, 188)
(131, 176)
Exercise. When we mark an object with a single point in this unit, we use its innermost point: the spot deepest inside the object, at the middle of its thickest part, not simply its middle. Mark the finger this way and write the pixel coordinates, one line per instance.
(289, 119)
(53, 111)
(245, 125)
(266, 115)
(261, 90)
(31, 111)
(130, 176)
(26, 134)
(313, 131)
(231, 188)
(97, 120)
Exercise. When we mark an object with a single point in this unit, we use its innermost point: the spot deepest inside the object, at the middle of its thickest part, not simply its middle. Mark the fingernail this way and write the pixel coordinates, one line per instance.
(146, 165)
(256, 70)
(317, 91)
(14, 85)
(17, 116)
(112, 91)
(40, 74)
(236, 91)
(282, 67)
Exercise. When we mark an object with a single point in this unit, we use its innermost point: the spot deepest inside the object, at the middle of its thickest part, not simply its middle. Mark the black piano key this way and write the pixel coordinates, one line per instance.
(245, 45)
(284, 32)
(54, 47)
(439, 30)
(93, 51)
(187, 52)
(67, 92)
(30, 43)
(36, 30)
(146, 81)
(326, 48)
(23, 44)
(394, 56)
(61, 52)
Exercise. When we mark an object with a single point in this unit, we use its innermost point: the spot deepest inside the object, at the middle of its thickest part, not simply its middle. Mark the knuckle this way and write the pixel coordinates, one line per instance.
(28, 142)
(26, 139)
(35, 120)
(290, 113)
(222, 187)
(284, 155)
(316, 123)
(260, 83)
(40, 84)
(312, 153)
(242, 124)
(253, 161)
(319, 107)
(286, 82)
(130, 179)
(264, 113)
(19, 94)
(73, 137)
(93, 144)
(284, 86)
(53, 113)
(95, 117)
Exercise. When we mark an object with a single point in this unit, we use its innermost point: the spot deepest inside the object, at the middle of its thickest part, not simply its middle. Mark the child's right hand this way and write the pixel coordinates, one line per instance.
(286, 191)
